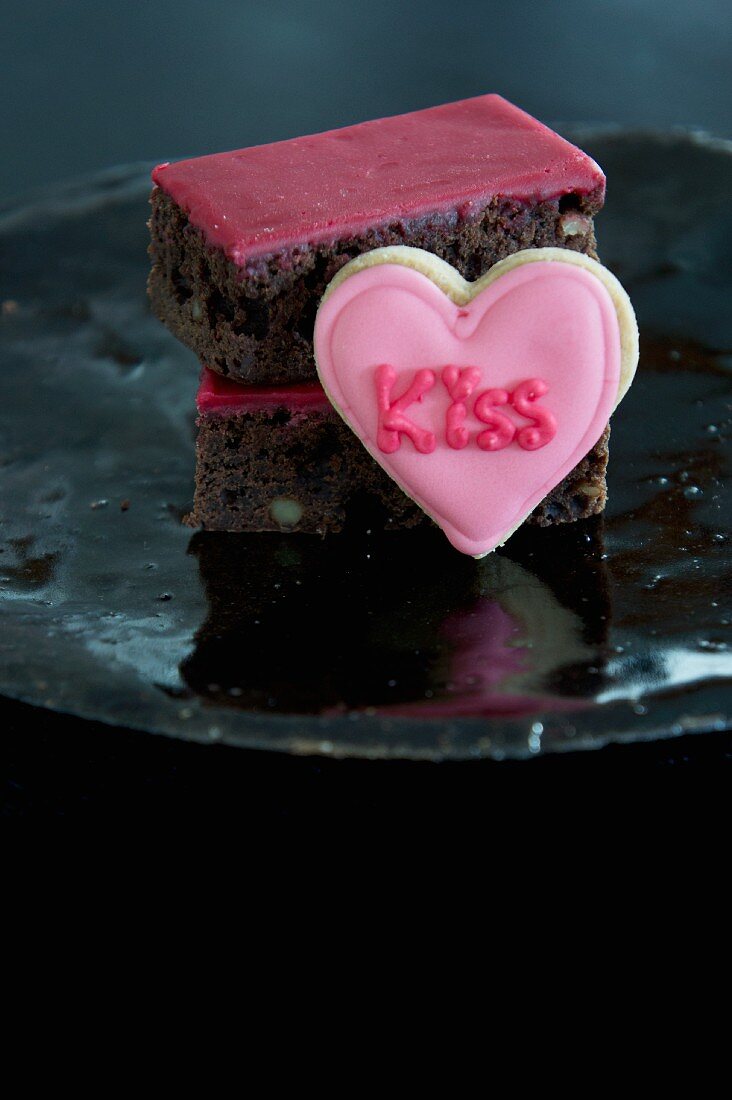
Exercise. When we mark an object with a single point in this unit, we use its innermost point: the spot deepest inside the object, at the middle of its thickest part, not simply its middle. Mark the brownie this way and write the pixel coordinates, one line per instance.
(245, 243)
(280, 468)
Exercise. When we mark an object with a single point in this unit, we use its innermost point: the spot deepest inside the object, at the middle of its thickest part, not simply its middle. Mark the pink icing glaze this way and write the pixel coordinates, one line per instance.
(318, 189)
(217, 394)
(544, 321)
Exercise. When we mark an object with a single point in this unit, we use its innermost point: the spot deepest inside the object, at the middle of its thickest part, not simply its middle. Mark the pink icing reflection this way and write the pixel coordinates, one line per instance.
(495, 656)
(487, 648)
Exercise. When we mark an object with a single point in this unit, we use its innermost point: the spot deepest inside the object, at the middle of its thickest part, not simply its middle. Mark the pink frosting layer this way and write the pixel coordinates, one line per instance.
(217, 394)
(318, 189)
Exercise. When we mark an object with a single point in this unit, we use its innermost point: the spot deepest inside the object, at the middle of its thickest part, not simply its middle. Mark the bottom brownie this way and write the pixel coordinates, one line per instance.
(281, 467)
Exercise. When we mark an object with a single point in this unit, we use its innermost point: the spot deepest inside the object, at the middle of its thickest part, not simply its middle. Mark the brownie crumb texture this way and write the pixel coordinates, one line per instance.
(260, 471)
(256, 325)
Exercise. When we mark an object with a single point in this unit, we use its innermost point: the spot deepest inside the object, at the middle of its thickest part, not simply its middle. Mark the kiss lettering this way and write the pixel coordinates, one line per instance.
(392, 420)
(460, 384)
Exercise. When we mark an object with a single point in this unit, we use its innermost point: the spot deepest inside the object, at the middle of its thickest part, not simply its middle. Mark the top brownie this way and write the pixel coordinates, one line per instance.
(245, 243)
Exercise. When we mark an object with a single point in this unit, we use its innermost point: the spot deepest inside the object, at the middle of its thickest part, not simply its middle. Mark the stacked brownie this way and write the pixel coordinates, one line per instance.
(244, 245)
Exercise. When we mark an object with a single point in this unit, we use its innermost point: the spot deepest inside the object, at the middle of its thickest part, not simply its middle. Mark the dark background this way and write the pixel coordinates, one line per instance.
(85, 85)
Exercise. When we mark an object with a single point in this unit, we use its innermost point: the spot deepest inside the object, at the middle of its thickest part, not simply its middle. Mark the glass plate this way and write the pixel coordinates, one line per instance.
(363, 644)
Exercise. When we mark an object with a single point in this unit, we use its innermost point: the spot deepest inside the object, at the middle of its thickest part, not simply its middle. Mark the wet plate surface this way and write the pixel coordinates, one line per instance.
(389, 645)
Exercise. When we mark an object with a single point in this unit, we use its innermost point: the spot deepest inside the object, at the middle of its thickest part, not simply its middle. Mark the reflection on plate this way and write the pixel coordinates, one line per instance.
(365, 644)
(401, 626)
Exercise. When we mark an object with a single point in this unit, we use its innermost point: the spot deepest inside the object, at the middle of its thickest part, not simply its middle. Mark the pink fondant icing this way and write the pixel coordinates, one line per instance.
(218, 394)
(318, 189)
(544, 322)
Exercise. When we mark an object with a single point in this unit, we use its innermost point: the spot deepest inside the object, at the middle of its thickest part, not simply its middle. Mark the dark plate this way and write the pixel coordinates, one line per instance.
(365, 645)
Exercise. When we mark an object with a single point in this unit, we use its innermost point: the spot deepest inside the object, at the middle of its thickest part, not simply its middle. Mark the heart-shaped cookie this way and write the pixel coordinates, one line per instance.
(477, 398)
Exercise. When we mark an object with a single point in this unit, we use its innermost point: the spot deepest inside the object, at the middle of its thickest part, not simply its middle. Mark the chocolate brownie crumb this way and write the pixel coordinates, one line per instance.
(255, 325)
(266, 471)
